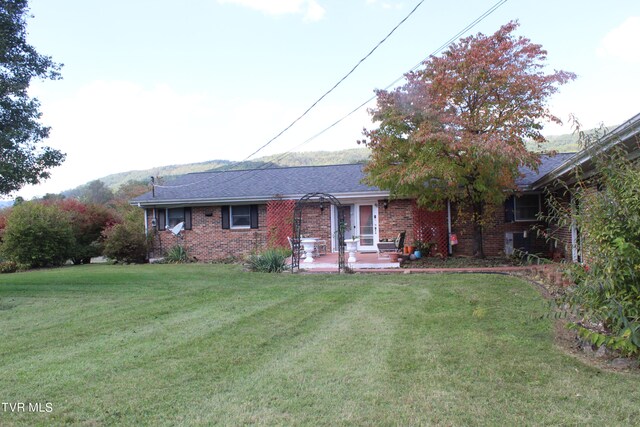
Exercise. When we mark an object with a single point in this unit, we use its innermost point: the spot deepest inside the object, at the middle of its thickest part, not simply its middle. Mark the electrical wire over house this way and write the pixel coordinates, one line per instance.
(271, 164)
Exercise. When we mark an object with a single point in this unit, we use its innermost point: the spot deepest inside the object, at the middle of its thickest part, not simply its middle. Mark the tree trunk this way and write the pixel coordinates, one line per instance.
(478, 211)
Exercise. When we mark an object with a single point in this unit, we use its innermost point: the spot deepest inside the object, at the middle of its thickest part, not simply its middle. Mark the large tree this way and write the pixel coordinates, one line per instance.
(457, 129)
(22, 159)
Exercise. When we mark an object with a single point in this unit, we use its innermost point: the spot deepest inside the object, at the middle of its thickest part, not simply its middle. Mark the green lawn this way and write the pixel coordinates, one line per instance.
(204, 344)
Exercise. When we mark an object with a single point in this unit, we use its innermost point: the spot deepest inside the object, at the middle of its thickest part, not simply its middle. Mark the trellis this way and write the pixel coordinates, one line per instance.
(279, 222)
(431, 226)
(321, 199)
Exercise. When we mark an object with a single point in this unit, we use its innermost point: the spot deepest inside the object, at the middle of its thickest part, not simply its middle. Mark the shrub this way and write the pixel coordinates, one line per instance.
(37, 235)
(126, 241)
(88, 221)
(177, 255)
(269, 261)
(606, 294)
(8, 267)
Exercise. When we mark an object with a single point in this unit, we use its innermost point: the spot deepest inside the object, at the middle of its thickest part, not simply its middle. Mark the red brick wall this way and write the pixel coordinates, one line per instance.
(317, 222)
(397, 217)
(493, 232)
(207, 241)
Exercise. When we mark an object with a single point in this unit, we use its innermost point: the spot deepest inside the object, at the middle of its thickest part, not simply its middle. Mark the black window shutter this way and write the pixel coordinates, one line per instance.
(254, 216)
(508, 210)
(187, 218)
(225, 217)
(161, 219)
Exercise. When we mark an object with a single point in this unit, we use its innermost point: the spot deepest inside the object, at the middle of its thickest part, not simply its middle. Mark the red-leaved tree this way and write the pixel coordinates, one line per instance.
(457, 129)
(88, 221)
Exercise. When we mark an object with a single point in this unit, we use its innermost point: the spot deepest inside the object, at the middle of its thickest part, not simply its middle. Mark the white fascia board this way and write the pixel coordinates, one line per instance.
(249, 200)
(622, 134)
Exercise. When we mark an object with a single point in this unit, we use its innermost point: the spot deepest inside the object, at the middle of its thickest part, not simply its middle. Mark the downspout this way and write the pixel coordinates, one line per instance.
(146, 220)
(449, 226)
(575, 253)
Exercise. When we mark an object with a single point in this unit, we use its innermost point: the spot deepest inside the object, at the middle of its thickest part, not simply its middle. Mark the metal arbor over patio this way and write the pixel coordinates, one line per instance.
(321, 199)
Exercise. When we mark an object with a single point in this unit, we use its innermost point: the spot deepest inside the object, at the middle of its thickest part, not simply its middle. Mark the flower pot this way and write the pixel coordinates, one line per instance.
(393, 257)
(352, 245)
(408, 249)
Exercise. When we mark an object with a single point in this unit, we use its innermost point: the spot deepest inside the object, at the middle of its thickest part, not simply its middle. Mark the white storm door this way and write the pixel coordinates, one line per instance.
(366, 226)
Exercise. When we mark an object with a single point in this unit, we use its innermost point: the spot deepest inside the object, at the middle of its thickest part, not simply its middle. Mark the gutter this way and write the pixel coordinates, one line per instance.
(249, 200)
(623, 133)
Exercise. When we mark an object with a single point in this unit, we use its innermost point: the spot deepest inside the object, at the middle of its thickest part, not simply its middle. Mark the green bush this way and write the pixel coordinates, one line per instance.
(177, 255)
(126, 241)
(269, 261)
(606, 294)
(37, 235)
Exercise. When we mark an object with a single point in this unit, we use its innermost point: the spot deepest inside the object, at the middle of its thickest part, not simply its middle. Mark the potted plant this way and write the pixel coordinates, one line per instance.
(394, 256)
(420, 248)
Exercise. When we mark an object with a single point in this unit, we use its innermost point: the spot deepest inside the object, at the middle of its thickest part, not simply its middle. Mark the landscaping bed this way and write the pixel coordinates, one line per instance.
(461, 262)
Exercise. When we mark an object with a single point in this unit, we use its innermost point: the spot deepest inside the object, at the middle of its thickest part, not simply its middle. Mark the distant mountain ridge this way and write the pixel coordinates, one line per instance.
(315, 158)
(566, 143)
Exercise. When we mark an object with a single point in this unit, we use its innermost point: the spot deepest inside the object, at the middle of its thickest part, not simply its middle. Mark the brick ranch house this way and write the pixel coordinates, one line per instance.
(229, 214)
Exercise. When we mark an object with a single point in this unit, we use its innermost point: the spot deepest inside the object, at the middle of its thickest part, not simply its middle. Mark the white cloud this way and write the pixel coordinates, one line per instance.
(622, 42)
(310, 9)
(386, 4)
(315, 12)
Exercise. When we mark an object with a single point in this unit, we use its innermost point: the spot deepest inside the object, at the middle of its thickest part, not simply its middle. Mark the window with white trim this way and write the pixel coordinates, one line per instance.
(240, 216)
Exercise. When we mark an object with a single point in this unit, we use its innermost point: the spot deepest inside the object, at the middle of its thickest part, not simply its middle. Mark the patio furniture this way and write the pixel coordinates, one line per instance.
(391, 247)
(321, 247)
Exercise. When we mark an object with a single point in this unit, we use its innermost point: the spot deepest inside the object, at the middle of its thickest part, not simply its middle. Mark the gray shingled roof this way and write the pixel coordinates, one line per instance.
(547, 164)
(263, 184)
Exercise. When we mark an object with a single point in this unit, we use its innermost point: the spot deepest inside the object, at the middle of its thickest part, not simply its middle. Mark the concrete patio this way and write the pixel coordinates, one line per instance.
(364, 260)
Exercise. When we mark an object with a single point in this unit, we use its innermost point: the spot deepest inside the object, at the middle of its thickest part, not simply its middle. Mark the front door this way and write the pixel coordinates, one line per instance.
(360, 220)
(366, 226)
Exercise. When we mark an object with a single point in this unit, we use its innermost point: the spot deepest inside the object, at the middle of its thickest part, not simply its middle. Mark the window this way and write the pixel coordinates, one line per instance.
(240, 216)
(526, 208)
(175, 216)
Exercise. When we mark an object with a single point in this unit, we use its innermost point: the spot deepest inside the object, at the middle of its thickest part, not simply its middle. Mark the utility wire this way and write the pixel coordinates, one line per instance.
(337, 84)
(415, 67)
(364, 58)
(472, 24)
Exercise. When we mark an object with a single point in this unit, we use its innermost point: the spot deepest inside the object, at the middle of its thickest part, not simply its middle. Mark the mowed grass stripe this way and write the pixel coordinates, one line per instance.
(201, 344)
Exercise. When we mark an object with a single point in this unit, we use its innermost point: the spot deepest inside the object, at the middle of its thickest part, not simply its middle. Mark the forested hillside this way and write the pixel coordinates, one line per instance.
(355, 155)
(566, 143)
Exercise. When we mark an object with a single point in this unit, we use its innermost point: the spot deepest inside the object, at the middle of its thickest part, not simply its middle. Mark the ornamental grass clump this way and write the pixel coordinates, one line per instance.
(177, 255)
(273, 260)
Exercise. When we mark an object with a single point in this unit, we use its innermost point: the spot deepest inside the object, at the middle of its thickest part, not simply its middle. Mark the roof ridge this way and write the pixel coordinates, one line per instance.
(272, 168)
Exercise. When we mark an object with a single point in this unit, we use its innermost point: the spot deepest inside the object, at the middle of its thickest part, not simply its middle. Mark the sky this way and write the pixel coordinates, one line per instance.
(148, 83)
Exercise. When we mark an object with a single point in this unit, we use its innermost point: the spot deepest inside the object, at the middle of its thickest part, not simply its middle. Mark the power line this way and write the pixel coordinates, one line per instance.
(337, 84)
(415, 67)
(364, 58)
(472, 24)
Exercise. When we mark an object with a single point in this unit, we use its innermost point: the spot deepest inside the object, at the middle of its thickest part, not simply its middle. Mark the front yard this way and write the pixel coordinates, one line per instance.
(205, 344)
